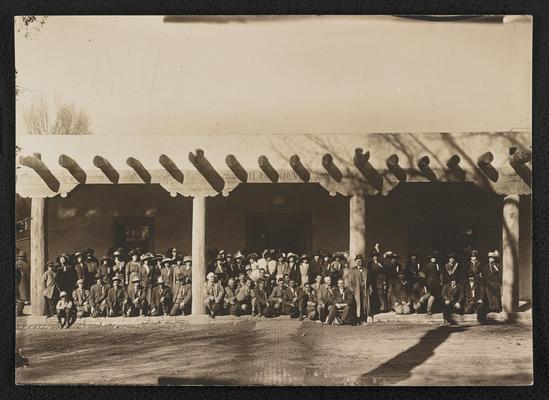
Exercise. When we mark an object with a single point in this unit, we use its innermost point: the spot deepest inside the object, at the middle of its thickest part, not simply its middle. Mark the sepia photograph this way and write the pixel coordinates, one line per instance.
(273, 200)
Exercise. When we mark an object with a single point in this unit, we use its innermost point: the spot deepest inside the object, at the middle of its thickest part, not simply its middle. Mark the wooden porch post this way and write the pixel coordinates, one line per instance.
(38, 253)
(510, 253)
(198, 254)
(357, 226)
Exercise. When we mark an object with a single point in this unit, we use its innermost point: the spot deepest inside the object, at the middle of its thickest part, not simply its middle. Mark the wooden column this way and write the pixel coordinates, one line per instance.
(510, 253)
(357, 226)
(198, 254)
(38, 253)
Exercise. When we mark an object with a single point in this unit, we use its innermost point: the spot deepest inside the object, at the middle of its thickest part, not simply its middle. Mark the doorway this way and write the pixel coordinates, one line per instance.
(281, 231)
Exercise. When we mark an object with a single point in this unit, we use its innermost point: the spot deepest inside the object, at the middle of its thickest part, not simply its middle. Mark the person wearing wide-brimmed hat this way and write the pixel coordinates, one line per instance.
(275, 299)
(81, 299)
(239, 264)
(132, 266)
(392, 270)
(98, 297)
(267, 262)
(92, 267)
(119, 262)
(182, 298)
(282, 267)
(376, 270)
(137, 299)
(161, 298)
(452, 269)
(403, 302)
(474, 265)
(314, 266)
(167, 271)
(65, 311)
(148, 273)
(304, 266)
(336, 267)
(79, 266)
(260, 305)
(66, 275)
(293, 267)
(106, 270)
(325, 261)
(50, 292)
(355, 277)
(422, 299)
(117, 298)
(492, 281)
(413, 266)
(213, 295)
(220, 269)
(433, 275)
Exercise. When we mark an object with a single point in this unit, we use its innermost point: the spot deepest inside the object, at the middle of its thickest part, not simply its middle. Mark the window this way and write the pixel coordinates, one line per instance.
(134, 232)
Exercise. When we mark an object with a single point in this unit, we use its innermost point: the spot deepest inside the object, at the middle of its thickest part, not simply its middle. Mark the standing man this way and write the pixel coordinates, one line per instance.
(166, 272)
(342, 302)
(66, 276)
(50, 291)
(353, 280)
(81, 299)
(213, 294)
(413, 267)
(452, 295)
(220, 269)
(117, 298)
(132, 268)
(24, 268)
(492, 281)
(392, 270)
(325, 265)
(92, 268)
(79, 266)
(106, 270)
(315, 267)
(376, 268)
(238, 265)
(474, 265)
(119, 267)
(336, 267)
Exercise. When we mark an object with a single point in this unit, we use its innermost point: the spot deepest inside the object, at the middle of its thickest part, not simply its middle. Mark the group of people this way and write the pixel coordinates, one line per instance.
(328, 288)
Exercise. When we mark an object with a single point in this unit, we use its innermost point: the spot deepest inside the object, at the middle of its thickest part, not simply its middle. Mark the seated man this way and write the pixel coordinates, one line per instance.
(244, 298)
(213, 295)
(289, 300)
(183, 295)
(475, 300)
(161, 298)
(342, 302)
(422, 298)
(452, 295)
(275, 299)
(98, 298)
(137, 299)
(402, 295)
(81, 299)
(260, 305)
(229, 301)
(117, 298)
(324, 297)
(307, 302)
(65, 311)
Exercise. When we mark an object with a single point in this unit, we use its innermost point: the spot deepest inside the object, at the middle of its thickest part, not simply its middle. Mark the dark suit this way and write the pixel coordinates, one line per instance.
(433, 278)
(115, 301)
(182, 299)
(290, 301)
(475, 299)
(275, 301)
(454, 271)
(379, 287)
(452, 295)
(259, 300)
(341, 296)
(98, 299)
(161, 300)
(81, 300)
(137, 301)
(492, 281)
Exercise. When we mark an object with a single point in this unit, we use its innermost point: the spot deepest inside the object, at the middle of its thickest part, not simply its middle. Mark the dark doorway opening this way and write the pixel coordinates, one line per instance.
(134, 232)
(281, 231)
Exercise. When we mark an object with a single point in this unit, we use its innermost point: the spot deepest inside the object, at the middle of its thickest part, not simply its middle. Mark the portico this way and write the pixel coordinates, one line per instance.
(344, 173)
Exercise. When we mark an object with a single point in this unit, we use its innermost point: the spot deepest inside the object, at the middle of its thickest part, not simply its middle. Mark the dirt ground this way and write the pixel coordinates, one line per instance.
(278, 352)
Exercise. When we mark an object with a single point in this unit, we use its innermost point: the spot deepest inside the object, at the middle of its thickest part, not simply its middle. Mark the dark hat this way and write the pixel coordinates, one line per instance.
(64, 255)
(252, 255)
(136, 280)
(304, 257)
(359, 257)
(49, 264)
(391, 255)
(374, 253)
(116, 278)
(89, 251)
(98, 275)
(433, 254)
(181, 276)
(414, 253)
(337, 255)
(475, 253)
(187, 259)
(281, 256)
(77, 254)
(106, 258)
(471, 274)
(134, 252)
(452, 255)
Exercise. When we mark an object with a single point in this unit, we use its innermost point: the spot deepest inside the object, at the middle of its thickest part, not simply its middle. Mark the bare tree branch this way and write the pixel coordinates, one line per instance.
(67, 120)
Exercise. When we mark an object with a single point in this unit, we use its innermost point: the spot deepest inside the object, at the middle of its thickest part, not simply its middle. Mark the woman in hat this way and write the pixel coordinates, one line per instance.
(293, 268)
(66, 275)
(92, 267)
(50, 291)
(65, 311)
(166, 272)
(433, 276)
(132, 267)
(336, 267)
(282, 267)
(79, 266)
(392, 270)
(474, 266)
(182, 296)
(376, 269)
(304, 269)
(106, 270)
(251, 262)
(119, 265)
(452, 270)
(492, 281)
(239, 265)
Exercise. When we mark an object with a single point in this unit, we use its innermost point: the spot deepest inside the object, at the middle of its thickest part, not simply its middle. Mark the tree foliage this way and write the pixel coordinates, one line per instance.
(29, 25)
(66, 119)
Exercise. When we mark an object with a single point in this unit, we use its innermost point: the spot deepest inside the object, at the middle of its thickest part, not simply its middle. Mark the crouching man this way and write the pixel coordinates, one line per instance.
(290, 300)
(81, 299)
(324, 298)
(213, 294)
(65, 311)
(161, 298)
(260, 305)
(475, 297)
(183, 295)
(137, 299)
(244, 298)
(307, 303)
(452, 295)
(275, 299)
(117, 299)
(342, 302)
(98, 298)
(229, 300)
(422, 298)
(402, 296)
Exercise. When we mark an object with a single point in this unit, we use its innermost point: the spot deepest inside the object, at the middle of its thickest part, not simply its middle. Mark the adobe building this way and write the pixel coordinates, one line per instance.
(298, 192)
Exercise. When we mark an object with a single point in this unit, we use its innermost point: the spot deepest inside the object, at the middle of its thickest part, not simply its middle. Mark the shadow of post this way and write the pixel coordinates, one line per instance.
(400, 367)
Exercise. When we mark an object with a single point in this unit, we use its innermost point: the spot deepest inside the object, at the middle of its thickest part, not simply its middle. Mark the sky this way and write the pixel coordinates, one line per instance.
(313, 74)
